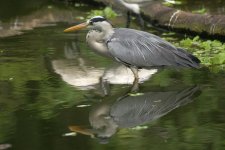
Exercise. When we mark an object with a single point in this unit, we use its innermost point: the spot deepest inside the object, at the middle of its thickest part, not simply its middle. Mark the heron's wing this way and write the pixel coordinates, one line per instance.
(135, 110)
(142, 49)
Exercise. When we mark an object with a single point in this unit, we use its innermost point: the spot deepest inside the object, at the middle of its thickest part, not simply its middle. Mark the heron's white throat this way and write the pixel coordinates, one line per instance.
(98, 35)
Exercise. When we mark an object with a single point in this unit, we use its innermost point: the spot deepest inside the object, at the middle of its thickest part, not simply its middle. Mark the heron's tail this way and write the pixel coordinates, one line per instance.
(189, 60)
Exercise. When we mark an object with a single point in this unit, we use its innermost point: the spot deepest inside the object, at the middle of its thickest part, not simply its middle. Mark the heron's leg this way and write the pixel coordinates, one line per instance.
(135, 86)
(104, 85)
(128, 19)
(141, 21)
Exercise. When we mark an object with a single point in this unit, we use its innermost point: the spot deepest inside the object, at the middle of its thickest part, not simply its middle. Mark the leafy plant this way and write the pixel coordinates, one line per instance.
(200, 11)
(219, 59)
(209, 52)
(106, 12)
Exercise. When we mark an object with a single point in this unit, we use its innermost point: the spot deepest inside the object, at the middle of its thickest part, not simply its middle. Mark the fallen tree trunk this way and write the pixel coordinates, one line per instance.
(178, 20)
(213, 25)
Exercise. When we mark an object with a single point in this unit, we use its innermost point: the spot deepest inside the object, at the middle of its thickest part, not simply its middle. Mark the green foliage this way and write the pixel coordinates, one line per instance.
(200, 11)
(135, 94)
(219, 59)
(209, 52)
(106, 12)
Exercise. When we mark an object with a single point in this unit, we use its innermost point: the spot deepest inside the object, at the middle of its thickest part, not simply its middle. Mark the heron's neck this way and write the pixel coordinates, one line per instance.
(133, 7)
(107, 31)
(96, 39)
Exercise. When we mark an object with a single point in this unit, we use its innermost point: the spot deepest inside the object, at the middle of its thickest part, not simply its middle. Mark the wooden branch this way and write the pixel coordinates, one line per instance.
(176, 19)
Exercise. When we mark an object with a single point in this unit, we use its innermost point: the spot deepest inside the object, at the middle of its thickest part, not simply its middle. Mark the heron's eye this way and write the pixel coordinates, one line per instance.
(91, 23)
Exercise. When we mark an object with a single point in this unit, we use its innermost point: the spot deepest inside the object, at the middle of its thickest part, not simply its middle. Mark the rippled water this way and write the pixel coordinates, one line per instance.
(50, 86)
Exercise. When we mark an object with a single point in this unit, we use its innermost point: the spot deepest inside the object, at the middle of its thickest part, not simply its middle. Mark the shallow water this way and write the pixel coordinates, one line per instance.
(49, 84)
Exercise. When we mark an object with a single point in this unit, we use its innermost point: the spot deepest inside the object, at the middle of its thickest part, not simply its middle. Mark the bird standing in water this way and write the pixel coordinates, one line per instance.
(133, 48)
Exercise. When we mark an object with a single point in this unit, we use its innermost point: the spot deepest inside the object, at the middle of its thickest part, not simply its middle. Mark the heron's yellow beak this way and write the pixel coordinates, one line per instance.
(77, 27)
(81, 130)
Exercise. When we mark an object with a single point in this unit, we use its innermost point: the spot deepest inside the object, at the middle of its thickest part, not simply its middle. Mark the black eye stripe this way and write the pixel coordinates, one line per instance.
(97, 19)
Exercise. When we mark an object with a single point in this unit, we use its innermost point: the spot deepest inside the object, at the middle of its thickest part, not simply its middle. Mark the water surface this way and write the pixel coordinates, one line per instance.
(49, 81)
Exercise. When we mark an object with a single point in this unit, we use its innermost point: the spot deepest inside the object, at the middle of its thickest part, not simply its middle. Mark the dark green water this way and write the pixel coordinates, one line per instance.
(49, 81)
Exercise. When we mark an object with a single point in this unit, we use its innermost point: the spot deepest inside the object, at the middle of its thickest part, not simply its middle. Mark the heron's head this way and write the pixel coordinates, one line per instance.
(94, 133)
(97, 23)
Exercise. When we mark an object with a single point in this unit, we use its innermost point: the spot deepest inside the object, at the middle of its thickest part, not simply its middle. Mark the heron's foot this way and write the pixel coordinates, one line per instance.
(135, 86)
(134, 89)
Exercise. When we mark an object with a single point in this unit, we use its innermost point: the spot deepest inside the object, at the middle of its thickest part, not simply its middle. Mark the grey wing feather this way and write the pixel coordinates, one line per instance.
(142, 49)
(135, 110)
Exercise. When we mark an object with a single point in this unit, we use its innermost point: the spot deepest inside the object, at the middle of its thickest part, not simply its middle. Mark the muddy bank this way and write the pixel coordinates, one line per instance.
(47, 16)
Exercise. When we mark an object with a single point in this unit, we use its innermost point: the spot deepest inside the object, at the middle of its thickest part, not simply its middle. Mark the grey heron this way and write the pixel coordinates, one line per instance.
(133, 48)
(129, 111)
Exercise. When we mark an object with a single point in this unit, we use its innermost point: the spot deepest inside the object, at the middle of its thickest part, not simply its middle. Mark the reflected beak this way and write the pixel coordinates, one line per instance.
(82, 130)
(77, 27)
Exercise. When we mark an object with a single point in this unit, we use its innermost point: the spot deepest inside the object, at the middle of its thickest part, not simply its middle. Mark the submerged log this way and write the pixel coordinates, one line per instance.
(178, 20)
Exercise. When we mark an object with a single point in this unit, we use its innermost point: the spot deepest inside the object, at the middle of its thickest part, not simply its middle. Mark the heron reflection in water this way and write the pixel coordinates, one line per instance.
(129, 111)
(74, 69)
(80, 73)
